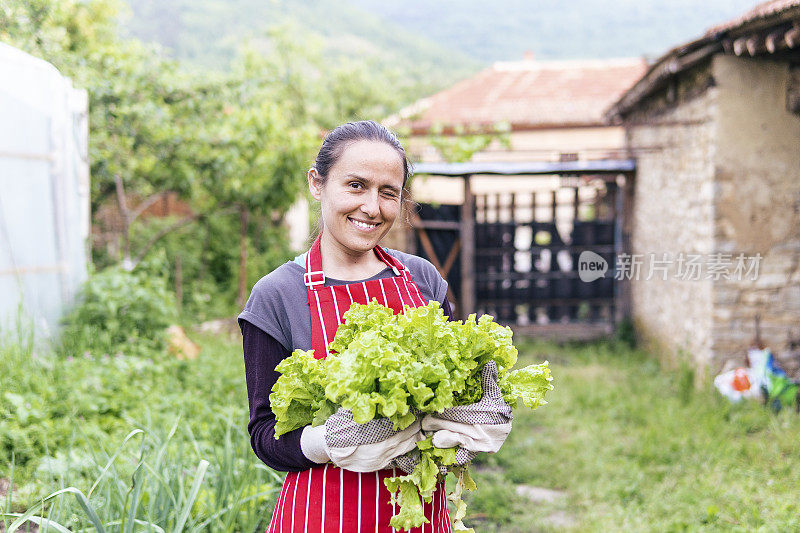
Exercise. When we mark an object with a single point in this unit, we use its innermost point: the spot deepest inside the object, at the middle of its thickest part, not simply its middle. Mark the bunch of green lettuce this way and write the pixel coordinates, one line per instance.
(394, 366)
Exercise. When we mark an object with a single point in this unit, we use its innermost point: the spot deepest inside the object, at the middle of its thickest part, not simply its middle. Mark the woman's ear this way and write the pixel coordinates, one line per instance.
(314, 184)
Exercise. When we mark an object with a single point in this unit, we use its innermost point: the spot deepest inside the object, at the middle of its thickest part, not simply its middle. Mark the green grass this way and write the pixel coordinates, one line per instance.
(134, 440)
(631, 447)
(636, 448)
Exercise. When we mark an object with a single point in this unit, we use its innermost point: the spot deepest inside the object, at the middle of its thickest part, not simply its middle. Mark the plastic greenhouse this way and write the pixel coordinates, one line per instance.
(44, 191)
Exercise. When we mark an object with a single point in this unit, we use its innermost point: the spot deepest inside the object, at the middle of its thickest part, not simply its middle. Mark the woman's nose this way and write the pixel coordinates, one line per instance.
(370, 206)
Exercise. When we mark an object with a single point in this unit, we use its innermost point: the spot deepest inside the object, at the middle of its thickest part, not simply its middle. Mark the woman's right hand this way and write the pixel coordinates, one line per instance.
(358, 447)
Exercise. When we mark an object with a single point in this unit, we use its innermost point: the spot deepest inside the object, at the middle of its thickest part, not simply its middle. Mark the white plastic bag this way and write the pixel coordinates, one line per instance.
(726, 384)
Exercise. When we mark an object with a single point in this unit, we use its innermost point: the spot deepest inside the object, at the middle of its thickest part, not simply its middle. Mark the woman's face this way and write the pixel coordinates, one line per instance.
(361, 198)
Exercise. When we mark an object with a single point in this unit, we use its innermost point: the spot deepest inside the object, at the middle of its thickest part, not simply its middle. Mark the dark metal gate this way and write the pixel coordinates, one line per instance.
(516, 255)
(527, 248)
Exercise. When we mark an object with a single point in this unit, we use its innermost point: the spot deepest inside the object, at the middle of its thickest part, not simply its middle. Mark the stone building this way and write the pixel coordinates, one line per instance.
(714, 127)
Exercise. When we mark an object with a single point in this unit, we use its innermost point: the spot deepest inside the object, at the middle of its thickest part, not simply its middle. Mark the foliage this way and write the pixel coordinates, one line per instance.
(459, 143)
(121, 311)
(620, 441)
(208, 260)
(208, 32)
(398, 367)
(229, 144)
(64, 422)
(392, 366)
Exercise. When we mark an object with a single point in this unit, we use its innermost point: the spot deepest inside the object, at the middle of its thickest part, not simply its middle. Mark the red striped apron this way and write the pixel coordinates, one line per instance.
(327, 498)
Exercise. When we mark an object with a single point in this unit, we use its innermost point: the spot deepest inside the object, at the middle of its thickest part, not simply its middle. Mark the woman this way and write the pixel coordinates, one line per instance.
(358, 179)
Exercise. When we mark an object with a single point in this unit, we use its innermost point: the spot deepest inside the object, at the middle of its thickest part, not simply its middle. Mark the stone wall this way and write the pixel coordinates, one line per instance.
(757, 206)
(718, 177)
(672, 213)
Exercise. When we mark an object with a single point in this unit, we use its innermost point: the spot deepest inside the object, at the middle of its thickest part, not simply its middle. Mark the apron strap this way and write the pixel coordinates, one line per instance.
(314, 277)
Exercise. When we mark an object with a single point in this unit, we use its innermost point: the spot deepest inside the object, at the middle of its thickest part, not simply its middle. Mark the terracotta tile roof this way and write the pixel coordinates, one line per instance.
(527, 94)
(761, 11)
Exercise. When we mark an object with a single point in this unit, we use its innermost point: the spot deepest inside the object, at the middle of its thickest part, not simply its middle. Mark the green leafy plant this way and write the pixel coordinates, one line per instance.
(120, 311)
(394, 366)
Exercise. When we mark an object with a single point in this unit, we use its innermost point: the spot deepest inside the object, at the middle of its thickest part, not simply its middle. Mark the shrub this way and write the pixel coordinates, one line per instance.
(121, 311)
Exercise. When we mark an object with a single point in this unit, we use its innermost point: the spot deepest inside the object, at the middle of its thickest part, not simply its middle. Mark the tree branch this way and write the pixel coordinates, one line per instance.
(176, 226)
(161, 234)
(126, 223)
(150, 200)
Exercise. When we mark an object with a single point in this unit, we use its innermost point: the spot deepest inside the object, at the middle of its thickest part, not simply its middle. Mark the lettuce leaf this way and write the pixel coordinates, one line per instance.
(528, 384)
(401, 367)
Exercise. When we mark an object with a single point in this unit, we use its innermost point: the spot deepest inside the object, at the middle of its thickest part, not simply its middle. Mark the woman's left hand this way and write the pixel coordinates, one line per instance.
(358, 447)
(479, 427)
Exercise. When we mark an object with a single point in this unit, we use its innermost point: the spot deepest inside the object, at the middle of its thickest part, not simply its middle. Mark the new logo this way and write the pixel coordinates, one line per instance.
(591, 266)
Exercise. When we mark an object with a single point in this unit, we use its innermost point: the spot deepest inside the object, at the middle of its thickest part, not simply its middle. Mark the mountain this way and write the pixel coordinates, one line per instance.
(554, 29)
(208, 33)
(432, 43)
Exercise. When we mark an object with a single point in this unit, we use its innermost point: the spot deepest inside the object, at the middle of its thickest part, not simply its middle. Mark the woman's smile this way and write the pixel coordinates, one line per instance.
(363, 225)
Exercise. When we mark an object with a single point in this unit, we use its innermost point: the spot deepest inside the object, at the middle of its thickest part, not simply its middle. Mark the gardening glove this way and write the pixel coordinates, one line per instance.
(479, 427)
(358, 447)
(408, 461)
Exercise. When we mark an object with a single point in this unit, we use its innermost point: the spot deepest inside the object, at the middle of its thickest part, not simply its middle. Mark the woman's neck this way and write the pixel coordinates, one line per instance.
(344, 264)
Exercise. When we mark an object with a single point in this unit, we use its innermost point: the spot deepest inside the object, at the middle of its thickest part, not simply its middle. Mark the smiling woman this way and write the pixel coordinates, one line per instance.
(358, 178)
(360, 198)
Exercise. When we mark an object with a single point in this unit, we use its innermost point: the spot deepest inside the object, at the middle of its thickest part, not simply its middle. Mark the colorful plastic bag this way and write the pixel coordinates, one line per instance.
(778, 389)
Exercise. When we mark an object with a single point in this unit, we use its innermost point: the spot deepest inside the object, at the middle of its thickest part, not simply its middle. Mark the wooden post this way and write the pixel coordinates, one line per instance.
(623, 211)
(575, 205)
(467, 232)
(179, 282)
(243, 221)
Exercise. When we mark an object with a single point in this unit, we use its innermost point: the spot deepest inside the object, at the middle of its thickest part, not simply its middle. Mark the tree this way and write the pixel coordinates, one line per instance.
(235, 143)
(256, 157)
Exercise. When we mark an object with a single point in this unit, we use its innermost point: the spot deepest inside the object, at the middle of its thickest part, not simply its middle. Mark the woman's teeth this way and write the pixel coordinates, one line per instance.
(362, 225)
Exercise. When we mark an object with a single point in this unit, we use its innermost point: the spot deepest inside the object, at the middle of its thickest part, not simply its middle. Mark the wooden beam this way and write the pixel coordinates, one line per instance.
(451, 258)
(575, 204)
(467, 251)
(755, 45)
(431, 252)
(740, 46)
(657, 77)
(530, 168)
(727, 46)
(775, 41)
(560, 331)
(792, 37)
(428, 247)
(434, 224)
(793, 90)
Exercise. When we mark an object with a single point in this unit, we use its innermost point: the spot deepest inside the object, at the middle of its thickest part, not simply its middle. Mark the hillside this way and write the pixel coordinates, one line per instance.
(553, 29)
(208, 33)
(428, 45)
